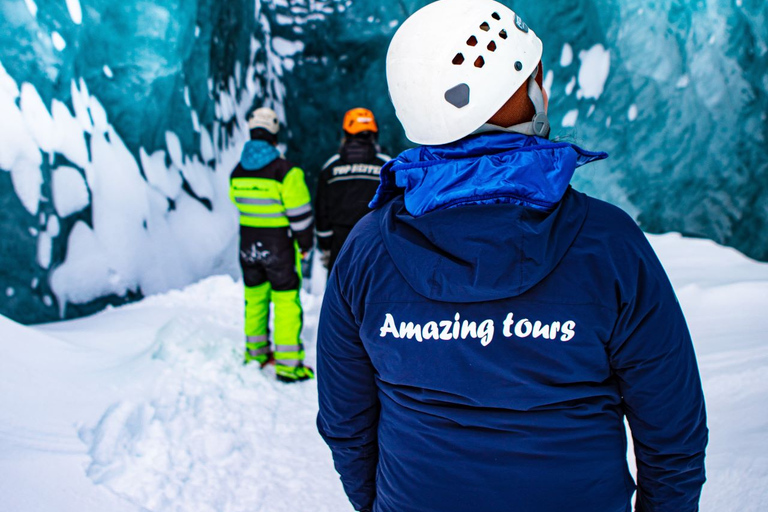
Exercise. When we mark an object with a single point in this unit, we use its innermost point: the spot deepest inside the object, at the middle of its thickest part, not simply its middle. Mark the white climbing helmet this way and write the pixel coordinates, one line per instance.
(264, 118)
(454, 63)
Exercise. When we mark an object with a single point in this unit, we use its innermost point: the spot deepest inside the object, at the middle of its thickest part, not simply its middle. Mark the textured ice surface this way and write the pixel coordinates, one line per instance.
(121, 124)
(146, 101)
(676, 92)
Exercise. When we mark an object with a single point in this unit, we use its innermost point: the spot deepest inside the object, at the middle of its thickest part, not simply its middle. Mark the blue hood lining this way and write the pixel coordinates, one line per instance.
(490, 168)
(257, 154)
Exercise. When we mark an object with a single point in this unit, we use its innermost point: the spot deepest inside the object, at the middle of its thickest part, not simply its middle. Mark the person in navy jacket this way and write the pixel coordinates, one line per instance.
(487, 328)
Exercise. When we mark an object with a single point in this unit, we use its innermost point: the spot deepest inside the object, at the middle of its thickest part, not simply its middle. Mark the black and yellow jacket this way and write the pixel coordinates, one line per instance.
(271, 194)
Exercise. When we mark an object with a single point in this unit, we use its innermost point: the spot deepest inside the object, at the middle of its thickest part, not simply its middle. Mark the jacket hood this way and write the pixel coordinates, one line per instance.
(258, 154)
(484, 218)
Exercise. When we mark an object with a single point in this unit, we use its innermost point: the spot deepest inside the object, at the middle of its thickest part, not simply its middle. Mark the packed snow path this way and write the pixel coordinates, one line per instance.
(148, 407)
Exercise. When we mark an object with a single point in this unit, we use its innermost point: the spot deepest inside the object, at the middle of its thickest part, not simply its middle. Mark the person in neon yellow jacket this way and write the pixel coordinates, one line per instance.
(276, 228)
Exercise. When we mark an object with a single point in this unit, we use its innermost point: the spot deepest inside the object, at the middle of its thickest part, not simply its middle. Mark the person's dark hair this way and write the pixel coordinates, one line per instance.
(262, 134)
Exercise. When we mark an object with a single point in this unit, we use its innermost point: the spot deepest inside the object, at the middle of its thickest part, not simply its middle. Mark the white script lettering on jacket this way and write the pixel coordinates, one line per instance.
(484, 331)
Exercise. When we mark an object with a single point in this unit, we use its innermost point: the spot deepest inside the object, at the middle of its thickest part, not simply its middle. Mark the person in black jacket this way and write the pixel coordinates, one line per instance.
(347, 183)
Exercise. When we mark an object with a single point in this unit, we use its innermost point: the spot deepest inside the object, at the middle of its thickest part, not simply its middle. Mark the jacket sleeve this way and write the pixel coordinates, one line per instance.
(653, 358)
(348, 398)
(298, 209)
(323, 222)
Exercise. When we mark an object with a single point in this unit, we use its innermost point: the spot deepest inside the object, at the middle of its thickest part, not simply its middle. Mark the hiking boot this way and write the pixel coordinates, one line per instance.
(259, 354)
(290, 374)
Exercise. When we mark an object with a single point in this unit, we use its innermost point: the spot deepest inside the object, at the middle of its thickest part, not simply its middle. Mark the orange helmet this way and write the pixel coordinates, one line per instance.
(359, 120)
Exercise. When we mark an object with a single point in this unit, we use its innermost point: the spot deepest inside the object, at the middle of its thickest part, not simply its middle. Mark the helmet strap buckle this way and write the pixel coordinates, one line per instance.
(540, 125)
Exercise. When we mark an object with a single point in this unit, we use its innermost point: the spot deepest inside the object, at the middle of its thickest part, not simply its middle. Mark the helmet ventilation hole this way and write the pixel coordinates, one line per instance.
(492, 46)
(458, 60)
(496, 16)
(479, 62)
(472, 41)
(503, 34)
(485, 27)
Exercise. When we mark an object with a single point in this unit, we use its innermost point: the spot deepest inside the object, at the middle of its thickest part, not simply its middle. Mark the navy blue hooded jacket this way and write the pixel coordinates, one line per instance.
(486, 330)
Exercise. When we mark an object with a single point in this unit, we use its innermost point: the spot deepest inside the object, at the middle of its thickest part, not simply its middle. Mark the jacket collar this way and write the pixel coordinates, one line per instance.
(490, 168)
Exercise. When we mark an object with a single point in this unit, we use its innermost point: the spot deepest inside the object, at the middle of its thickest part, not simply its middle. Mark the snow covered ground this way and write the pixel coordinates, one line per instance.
(147, 406)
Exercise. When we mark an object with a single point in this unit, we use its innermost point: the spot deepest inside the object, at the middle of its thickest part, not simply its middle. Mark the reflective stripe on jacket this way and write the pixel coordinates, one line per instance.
(275, 196)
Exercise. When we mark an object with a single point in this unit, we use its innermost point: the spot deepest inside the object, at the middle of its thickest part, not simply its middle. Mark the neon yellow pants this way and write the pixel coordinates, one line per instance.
(289, 351)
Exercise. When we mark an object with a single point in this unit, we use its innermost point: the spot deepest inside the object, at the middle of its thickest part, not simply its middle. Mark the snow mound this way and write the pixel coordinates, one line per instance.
(215, 435)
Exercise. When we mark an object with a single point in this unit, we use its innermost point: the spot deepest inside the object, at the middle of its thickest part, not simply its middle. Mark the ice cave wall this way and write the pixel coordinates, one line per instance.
(122, 120)
(675, 91)
(120, 124)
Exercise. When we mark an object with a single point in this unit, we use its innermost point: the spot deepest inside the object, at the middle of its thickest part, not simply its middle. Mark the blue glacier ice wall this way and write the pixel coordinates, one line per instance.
(119, 125)
(676, 91)
(122, 120)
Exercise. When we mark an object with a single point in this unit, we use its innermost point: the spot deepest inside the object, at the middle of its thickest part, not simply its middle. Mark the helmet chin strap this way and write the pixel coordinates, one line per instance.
(539, 125)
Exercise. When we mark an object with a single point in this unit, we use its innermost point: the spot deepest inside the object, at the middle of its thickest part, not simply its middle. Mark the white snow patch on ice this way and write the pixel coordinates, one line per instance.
(566, 56)
(683, 82)
(80, 100)
(19, 152)
(166, 181)
(75, 11)
(69, 139)
(87, 271)
(206, 145)
(32, 6)
(45, 241)
(98, 114)
(58, 42)
(632, 113)
(37, 118)
(70, 192)
(549, 79)
(44, 247)
(594, 71)
(570, 85)
(53, 227)
(286, 48)
(197, 176)
(174, 149)
(10, 292)
(570, 118)
(8, 85)
(27, 179)
(108, 71)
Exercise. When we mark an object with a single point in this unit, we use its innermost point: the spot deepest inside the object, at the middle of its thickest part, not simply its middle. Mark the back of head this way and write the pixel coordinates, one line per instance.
(264, 124)
(454, 64)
